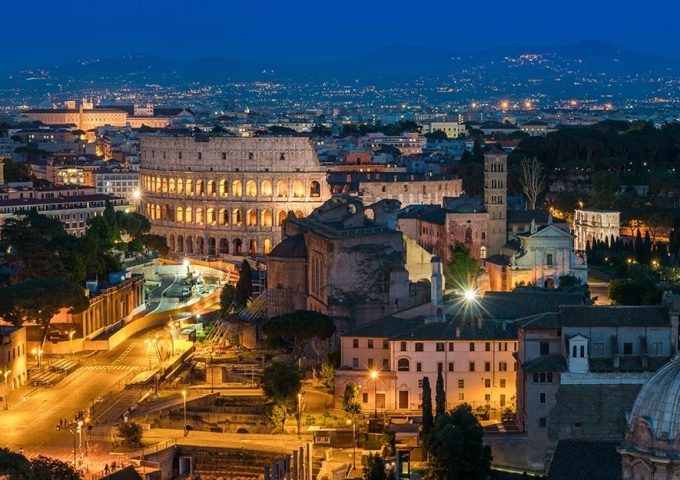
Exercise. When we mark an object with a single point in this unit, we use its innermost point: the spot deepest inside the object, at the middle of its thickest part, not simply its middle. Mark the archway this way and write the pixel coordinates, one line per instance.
(549, 283)
(223, 188)
(224, 246)
(266, 188)
(281, 217)
(188, 215)
(171, 242)
(180, 215)
(252, 247)
(238, 246)
(281, 188)
(251, 188)
(315, 189)
(236, 188)
(180, 186)
(299, 214)
(212, 246)
(298, 189)
(236, 217)
(199, 187)
(180, 243)
(251, 218)
(200, 245)
(223, 218)
(266, 218)
(190, 245)
(189, 187)
(211, 188)
(267, 246)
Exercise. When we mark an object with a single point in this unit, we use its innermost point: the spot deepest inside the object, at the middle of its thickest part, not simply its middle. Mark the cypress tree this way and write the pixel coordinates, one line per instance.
(428, 420)
(440, 397)
(637, 249)
(244, 286)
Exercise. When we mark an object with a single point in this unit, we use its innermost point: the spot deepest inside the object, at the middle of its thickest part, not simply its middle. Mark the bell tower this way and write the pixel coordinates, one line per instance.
(495, 198)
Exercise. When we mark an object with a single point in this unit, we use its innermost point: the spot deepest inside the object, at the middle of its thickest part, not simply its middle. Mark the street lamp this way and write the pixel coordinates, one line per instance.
(374, 376)
(299, 411)
(38, 355)
(184, 396)
(70, 337)
(6, 374)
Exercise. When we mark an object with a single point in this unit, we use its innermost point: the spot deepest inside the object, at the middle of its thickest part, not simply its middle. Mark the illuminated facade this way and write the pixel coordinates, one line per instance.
(227, 195)
(591, 225)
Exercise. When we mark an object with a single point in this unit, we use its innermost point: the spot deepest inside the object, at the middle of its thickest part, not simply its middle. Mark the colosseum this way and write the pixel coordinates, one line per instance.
(214, 195)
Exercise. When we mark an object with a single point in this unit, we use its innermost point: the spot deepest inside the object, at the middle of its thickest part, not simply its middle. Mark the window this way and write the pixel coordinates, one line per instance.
(370, 343)
(355, 363)
(450, 346)
(440, 346)
(598, 349)
(440, 367)
(472, 346)
(403, 365)
(502, 383)
(419, 367)
(370, 364)
(364, 397)
(420, 383)
(657, 348)
(545, 348)
(419, 347)
(487, 346)
(502, 346)
(402, 346)
(542, 422)
(386, 364)
(472, 366)
(541, 397)
(461, 383)
(549, 259)
(355, 343)
(487, 383)
(461, 397)
(487, 366)
(628, 348)
(450, 366)
(502, 366)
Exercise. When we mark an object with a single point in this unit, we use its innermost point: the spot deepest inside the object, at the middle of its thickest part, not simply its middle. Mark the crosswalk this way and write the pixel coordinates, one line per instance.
(110, 368)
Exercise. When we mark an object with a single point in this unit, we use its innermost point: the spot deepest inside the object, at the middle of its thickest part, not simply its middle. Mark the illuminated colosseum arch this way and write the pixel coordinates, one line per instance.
(223, 187)
(298, 189)
(171, 185)
(188, 215)
(210, 216)
(223, 216)
(266, 218)
(281, 217)
(266, 188)
(252, 247)
(315, 189)
(199, 187)
(157, 212)
(157, 188)
(251, 218)
(180, 244)
(224, 246)
(282, 189)
(189, 186)
(251, 188)
(200, 246)
(199, 216)
(211, 188)
(238, 246)
(180, 186)
(237, 217)
(237, 188)
(267, 246)
(179, 217)
(164, 185)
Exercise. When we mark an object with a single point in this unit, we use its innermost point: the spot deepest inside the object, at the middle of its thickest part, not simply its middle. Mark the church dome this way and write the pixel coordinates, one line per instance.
(658, 403)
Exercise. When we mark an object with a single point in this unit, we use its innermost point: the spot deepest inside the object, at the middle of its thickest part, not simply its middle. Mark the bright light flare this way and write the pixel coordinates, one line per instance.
(470, 295)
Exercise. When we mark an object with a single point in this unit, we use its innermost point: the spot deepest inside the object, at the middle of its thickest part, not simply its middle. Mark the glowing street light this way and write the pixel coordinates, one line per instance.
(374, 376)
(6, 374)
(70, 338)
(136, 194)
(470, 295)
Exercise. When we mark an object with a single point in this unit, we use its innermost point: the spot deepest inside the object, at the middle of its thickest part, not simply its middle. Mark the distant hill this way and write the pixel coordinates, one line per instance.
(588, 65)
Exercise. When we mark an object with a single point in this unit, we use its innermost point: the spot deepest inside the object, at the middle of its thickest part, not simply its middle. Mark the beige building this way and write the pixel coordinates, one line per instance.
(593, 224)
(227, 195)
(451, 129)
(410, 192)
(12, 358)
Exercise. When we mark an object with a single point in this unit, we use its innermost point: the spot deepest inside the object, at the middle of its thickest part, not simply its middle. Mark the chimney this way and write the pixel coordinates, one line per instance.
(436, 282)
(480, 322)
(457, 332)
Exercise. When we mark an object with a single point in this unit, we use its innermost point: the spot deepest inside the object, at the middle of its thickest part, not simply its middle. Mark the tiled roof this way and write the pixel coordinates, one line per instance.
(384, 328)
(618, 316)
(518, 304)
(292, 247)
(584, 460)
(542, 320)
(546, 363)
(490, 330)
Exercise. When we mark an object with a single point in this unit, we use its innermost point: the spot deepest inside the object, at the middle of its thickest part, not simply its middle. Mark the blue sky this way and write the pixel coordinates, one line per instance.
(47, 32)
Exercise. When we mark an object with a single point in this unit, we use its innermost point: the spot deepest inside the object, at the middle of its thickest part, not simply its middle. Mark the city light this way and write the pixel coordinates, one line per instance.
(470, 295)
(136, 194)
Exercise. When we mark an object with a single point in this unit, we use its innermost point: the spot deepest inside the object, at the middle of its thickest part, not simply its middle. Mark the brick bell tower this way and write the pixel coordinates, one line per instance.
(495, 198)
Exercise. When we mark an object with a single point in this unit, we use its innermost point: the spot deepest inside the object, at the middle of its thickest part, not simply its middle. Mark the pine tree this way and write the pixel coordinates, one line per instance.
(440, 396)
(428, 420)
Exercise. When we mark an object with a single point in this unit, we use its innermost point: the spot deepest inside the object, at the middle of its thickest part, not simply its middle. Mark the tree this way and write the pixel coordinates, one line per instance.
(350, 399)
(532, 180)
(227, 297)
(297, 328)
(428, 420)
(281, 382)
(18, 467)
(437, 136)
(321, 130)
(244, 286)
(39, 300)
(155, 242)
(461, 270)
(131, 434)
(634, 291)
(374, 469)
(456, 448)
(567, 281)
(327, 374)
(440, 397)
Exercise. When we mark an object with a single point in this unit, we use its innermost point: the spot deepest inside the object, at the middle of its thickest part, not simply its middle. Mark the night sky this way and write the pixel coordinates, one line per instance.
(48, 32)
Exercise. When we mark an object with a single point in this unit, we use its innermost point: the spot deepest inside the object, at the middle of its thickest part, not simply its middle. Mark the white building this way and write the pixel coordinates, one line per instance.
(12, 358)
(595, 225)
(538, 257)
(119, 182)
(536, 128)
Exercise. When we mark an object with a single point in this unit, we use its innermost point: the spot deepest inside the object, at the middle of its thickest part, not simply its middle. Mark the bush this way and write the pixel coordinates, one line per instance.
(131, 433)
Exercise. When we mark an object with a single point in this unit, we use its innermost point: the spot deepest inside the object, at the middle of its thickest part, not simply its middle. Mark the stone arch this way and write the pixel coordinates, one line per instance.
(188, 215)
(251, 217)
(189, 186)
(210, 216)
(169, 213)
(223, 216)
(237, 188)
(171, 185)
(223, 187)
(251, 188)
(180, 186)
(179, 217)
(236, 217)
(338, 189)
(190, 245)
(164, 185)
(468, 235)
(266, 189)
(224, 246)
(199, 187)
(266, 218)
(252, 247)
(299, 214)
(211, 188)
(157, 212)
(267, 246)
(298, 189)
(549, 283)
(158, 184)
(200, 245)
(281, 217)
(345, 189)
(282, 189)
(315, 189)
(212, 246)
(171, 242)
(199, 217)
(238, 246)
(403, 365)
(180, 243)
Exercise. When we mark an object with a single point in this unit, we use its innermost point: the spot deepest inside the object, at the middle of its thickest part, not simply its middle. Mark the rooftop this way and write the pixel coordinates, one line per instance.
(585, 460)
